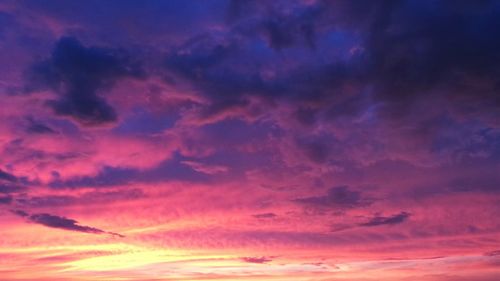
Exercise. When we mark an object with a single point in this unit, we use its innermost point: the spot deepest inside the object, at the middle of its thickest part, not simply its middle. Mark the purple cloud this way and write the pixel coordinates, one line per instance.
(390, 220)
(265, 215)
(336, 197)
(257, 259)
(78, 74)
(59, 222)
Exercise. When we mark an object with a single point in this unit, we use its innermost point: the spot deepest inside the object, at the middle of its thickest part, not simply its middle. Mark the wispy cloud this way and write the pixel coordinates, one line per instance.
(337, 197)
(390, 220)
(265, 215)
(257, 259)
(59, 222)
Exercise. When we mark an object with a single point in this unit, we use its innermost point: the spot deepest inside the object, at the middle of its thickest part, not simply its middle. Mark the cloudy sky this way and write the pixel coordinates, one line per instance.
(250, 140)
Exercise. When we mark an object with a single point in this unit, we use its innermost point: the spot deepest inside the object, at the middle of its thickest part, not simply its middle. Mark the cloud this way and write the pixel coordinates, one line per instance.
(280, 29)
(264, 215)
(78, 74)
(291, 96)
(391, 220)
(61, 223)
(36, 127)
(316, 151)
(7, 199)
(355, 80)
(257, 259)
(410, 50)
(336, 197)
(7, 176)
(211, 66)
(20, 213)
(87, 198)
(487, 184)
(7, 188)
(10, 184)
(284, 32)
(167, 170)
(204, 168)
(492, 253)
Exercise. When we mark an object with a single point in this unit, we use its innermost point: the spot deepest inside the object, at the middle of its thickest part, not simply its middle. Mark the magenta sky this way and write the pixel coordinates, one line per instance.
(250, 140)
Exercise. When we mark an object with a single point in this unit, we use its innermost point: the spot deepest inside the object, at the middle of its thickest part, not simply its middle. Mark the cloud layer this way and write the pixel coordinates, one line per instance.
(250, 140)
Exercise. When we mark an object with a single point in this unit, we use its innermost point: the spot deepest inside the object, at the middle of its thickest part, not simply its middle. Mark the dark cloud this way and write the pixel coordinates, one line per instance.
(11, 184)
(492, 253)
(411, 49)
(7, 176)
(257, 259)
(155, 22)
(194, 58)
(315, 150)
(6, 20)
(488, 183)
(36, 127)
(229, 70)
(305, 115)
(432, 40)
(60, 222)
(93, 197)
(264, 215)
(337, 197)
(389, 53)
(79, 74)
(281, 28)
(237, 9)
(391, 220)
(214, 67)
(207, 68)
(20, 213)
(170, 169)
(285, 32)
(7, 199)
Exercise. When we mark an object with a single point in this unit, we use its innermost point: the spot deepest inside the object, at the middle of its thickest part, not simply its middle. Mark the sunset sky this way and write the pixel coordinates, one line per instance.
(306, 140)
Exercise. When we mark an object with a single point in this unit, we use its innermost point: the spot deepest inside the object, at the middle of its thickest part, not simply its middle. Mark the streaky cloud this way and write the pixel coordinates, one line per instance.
(59, 222)
(390, 220)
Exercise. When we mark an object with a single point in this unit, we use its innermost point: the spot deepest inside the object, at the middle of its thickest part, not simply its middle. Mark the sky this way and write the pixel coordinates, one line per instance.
(305, 140)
